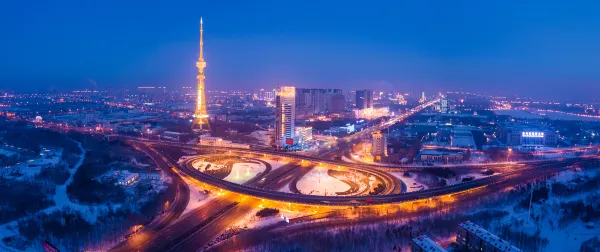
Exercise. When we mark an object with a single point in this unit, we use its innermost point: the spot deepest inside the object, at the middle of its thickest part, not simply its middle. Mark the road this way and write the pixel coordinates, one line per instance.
(338, 218)
(367, 200)
(182, 196)
(186, 241)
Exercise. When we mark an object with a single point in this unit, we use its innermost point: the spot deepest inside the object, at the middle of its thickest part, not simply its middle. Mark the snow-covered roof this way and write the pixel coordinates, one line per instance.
(428, 244)
(488, 237)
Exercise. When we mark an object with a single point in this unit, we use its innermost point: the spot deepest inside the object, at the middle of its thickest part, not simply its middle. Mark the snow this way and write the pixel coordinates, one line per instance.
(32, 167)
(411, 181)
(61, 200)
(567, 176)
(275, 164)
(250, 220)
(262, 136)
(7, 153)
(197, 197)
(242, 172)
(345, 159)
(286, 188)
(569, 238)
(317, 182)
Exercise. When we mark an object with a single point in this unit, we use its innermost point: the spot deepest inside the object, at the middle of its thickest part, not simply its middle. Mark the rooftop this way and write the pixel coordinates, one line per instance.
(428, 244)
(488, 237)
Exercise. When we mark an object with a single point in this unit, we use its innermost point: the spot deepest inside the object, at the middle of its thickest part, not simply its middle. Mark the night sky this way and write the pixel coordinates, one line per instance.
(548, 49)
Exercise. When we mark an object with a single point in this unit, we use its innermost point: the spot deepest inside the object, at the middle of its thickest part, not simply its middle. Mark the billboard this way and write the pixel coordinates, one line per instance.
(289, 141)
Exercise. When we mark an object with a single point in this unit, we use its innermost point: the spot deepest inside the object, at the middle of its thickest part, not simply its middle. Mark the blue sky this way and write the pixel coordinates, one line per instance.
(539, 48)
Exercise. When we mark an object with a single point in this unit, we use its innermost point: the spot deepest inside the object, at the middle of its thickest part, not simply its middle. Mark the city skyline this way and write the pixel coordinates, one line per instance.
(322, 126)
(422, 49)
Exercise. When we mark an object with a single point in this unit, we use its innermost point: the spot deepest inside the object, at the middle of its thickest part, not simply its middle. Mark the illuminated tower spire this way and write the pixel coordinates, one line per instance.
(201, 58)
(201, 115)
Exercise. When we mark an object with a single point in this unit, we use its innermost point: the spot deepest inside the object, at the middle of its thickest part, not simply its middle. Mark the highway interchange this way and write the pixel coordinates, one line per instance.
(193, 231)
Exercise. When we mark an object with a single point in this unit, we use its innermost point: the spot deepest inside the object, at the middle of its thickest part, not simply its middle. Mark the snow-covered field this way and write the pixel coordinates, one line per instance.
(566, 238)
(242, 172)
(317, 182)
(60, 198)
(411, 182)
(48, 158)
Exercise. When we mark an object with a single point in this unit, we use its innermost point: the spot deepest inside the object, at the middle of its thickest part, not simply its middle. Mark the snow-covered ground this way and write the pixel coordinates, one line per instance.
(197, 197)
(566, 238)
(317, 182)
(61, 200)
(286, 188)
(345, 159)
(275, 163)
(250, 220)
(48, 158)
(262, 136)
(411, 182)
(242, 172)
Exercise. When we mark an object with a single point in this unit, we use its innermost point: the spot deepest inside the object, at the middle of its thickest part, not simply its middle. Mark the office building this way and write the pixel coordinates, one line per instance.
(270, 95)
(471, 237)
(379, 144)
(425, 244)
(337, 103)
(261, 94)
(526, 135)
(285, 116)
(318, 100)
(444, 105)
(364, 99)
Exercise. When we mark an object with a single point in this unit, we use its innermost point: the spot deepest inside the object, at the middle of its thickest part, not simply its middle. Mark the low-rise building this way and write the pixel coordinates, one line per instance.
(527, 135)
(304, 134)
(219, 142)
(441, 155)
(425, 244)
(471, 237)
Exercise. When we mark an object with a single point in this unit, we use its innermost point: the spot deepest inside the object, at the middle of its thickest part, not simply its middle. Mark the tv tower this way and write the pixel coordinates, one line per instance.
(201, 116)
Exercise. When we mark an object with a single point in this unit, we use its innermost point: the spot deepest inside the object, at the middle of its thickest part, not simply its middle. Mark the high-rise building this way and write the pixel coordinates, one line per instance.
(379, 144)
(351, 98)
(261, 94)
(315, 100)
(364, 99)
(285, 116)
(201, 114)
(444, 105)
(337, 103)
(270, 95)
(423, 98)
(471, 237)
